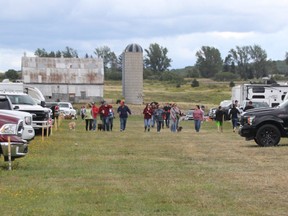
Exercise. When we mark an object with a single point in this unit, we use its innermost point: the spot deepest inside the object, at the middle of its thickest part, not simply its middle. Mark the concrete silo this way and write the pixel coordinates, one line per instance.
(132, 74)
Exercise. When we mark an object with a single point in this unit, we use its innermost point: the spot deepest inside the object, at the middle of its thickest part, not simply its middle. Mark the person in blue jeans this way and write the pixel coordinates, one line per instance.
(123, 112)
(198, 116)
(233, 113)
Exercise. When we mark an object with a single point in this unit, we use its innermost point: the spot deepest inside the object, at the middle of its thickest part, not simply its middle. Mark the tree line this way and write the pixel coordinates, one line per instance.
(246, 62)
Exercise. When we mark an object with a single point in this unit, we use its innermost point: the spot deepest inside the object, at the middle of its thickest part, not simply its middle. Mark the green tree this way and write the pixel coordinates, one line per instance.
(109, 57)
(209, 61)
(12, 75)
(286, 58)
(259, 61)
(52, 54)
(70, 53)
(156, 58)
(241, 58)
(41, 52)
(58, 54)
(229, 65)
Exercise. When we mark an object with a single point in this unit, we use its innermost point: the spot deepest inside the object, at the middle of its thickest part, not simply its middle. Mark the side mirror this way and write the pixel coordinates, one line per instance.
(42, 103)
(16, 107)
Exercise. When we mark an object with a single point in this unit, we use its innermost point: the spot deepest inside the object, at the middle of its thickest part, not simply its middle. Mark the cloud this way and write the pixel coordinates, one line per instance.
(182, 26)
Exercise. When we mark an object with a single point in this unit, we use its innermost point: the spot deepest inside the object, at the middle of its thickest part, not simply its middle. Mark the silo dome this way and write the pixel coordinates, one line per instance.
(134, 48)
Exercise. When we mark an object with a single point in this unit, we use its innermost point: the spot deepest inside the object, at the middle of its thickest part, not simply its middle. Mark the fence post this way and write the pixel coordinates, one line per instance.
(9, 153)
(42, 131)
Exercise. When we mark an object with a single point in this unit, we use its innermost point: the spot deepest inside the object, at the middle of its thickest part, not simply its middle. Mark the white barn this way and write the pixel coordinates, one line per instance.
(65, 79)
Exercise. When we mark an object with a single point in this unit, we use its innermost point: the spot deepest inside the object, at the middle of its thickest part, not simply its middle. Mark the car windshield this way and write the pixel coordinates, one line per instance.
(64, 105)
(260, 104)
(22, 99)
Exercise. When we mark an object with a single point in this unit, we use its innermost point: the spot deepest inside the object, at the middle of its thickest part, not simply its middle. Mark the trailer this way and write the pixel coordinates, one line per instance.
(34, 92)
(273, 94)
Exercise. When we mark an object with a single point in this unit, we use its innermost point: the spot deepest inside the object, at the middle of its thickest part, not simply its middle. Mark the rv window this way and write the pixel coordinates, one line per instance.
(258, 89)
(274, 104)
(258, 96)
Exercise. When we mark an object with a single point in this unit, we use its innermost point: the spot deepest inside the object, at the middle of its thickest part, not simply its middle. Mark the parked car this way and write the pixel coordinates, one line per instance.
(189, 115)
(54, 106)
(265, 126)
(24, 102)
(67, 109)
(6, 108)
(212, 113)
(226, 106)
(12, 128)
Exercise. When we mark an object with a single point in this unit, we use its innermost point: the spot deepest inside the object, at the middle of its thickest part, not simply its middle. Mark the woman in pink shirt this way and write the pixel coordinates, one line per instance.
(198, 116)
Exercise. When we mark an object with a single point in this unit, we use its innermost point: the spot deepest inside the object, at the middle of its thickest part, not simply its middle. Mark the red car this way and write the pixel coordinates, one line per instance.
(12, 127)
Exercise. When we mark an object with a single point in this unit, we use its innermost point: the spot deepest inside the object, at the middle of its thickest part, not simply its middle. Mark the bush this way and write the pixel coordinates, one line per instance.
(231, 84)
(195, 83)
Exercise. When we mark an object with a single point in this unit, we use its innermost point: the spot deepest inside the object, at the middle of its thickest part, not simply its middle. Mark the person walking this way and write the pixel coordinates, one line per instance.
(174, 117)
(167, 108)
(219, 118)
(123, 112)
(111, 117)
(158, 114)
(83, 112)
(147, 117)
(88, 117)
(233, 114)
(198, 116)
(104, 111)
(95, 111)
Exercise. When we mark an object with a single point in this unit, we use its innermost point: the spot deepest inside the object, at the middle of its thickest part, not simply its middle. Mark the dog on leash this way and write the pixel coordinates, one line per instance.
(100, 127)
(179, 129)
(72, 125)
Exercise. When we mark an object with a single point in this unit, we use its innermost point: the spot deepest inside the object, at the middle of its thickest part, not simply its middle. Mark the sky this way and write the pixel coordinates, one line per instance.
(181, 26)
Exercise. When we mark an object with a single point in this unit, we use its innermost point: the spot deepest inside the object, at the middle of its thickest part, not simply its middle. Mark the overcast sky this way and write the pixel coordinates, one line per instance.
(182, 26)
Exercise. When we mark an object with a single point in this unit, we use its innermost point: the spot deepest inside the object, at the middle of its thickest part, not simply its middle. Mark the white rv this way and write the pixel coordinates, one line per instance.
(34, 92)
(273, 94)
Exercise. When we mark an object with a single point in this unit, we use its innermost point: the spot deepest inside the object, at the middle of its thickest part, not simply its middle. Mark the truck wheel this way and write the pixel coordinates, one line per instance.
(268, 135)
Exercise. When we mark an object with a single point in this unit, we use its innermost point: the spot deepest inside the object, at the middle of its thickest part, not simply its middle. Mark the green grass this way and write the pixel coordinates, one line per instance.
(137, 173)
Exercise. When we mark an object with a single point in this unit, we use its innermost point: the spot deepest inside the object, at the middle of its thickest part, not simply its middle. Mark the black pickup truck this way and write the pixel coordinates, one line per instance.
(265, 125)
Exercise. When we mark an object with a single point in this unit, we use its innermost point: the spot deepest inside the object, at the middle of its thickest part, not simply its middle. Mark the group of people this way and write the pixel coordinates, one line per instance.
(232, 114)
(90, 112)
(169, 115)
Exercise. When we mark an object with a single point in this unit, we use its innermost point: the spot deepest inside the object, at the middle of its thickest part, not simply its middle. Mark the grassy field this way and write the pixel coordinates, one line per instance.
(136, 173)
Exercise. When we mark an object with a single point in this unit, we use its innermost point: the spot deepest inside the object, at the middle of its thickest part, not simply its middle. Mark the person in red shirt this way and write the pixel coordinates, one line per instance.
(104, 111)
(147, 117)
(95, 111)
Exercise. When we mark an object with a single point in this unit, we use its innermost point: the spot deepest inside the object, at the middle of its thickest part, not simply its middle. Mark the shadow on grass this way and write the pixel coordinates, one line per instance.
(257, 146)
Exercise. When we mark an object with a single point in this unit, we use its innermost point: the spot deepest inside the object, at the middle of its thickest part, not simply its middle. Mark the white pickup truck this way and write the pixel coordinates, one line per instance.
(41, 116)
(67, 109)
(6, 108)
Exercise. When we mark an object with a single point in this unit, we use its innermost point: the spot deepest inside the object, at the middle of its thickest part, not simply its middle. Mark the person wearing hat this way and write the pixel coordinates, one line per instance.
(123, 112)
